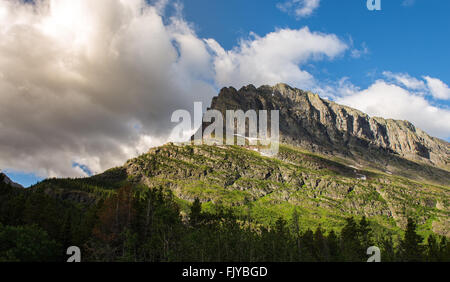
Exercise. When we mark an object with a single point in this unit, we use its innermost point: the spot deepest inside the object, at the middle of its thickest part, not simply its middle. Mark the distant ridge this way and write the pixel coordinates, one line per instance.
(5, 179)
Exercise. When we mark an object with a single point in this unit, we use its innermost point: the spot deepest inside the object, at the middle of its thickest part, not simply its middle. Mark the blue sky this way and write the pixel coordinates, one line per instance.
(106, 86)
(412, 39)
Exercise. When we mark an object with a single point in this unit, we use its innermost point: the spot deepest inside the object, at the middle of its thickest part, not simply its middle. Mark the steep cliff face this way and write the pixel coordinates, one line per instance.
(323, 126)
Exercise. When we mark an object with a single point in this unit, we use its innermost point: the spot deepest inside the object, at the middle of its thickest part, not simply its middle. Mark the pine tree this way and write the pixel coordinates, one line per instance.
(280, 240)
(444, 249)
(296, 233)
(387, 249)
(196, 210)
(350, 243)
(321, 251)
(411, 248)
(433, 253)
(307, 246)
(365, 233)
(333, 246)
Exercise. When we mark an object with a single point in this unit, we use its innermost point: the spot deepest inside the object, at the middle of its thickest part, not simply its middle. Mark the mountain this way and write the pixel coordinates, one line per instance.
(5, 179)
(334, 162)
(322, 126)
(336, 166)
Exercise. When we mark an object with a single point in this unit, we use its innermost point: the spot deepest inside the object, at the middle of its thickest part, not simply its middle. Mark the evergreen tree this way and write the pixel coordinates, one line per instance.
(410, 247)
(307, 246)
(350, 244)
(365, 233)
(296, 233)
(433, 253)
(321, 251)
(19, 244)
(142, 224)
(387, 249)
(280, 240)
(444, 249)
(333, 246)
(196, 210)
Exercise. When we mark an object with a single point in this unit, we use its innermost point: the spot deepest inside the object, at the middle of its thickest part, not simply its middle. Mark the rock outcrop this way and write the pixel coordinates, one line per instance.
(326, 127)
(240, 177)
(5, 179)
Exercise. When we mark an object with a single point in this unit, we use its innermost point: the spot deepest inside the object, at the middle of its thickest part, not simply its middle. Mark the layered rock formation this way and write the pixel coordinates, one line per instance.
(270, 187)
(323, 126)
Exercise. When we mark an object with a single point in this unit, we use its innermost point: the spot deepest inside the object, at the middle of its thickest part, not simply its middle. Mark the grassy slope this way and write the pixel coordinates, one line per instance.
(323, 190)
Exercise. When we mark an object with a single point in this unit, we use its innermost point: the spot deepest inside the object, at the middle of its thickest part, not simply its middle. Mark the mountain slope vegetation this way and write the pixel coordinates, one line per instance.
(341, 182)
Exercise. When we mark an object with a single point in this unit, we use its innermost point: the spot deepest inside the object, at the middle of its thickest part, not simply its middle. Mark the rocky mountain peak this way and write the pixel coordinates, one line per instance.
(320, 125)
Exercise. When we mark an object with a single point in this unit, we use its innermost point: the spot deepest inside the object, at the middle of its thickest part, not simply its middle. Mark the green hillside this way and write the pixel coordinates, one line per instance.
(187, 203)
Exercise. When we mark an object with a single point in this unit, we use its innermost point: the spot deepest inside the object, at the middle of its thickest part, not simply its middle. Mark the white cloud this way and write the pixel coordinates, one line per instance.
(276, 57)
(406, 80)
(92, 82)
(438, 89)
(95, 82)
(336, 90)
(387, 100)
(301, 8)
(433, 87)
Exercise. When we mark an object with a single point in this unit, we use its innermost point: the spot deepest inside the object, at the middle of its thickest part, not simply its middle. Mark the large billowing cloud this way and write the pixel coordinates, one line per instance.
(89, 84)
(276, 57)
(85, 85)
(92, 82)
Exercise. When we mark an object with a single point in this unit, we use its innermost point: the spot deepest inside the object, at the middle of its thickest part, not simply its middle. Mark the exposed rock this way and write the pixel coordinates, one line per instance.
(5, 179)
(237, 176)
(323, 126)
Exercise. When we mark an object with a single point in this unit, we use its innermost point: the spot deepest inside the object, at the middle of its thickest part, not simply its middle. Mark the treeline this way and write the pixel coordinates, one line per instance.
(37, 227)
(146, 225)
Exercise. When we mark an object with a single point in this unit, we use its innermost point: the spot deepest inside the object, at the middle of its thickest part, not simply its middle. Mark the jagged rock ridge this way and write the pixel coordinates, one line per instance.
(324, 126)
